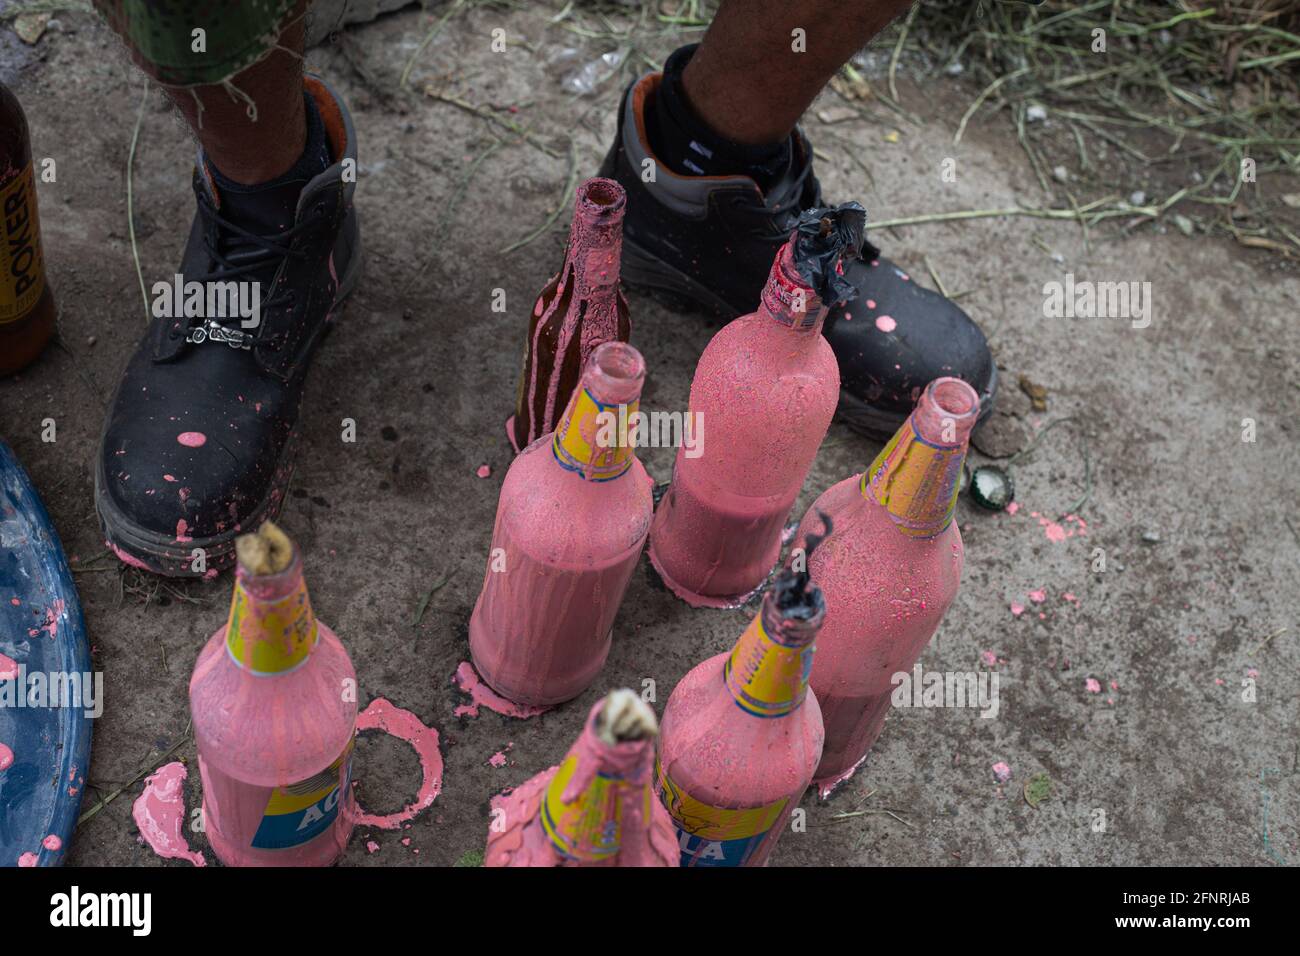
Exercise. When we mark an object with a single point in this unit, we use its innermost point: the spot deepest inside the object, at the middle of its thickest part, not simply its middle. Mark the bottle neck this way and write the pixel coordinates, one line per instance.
(917, 475)
(595, 248)
(788, 300)
(600, 792)
(271, 629)
(594, 439)
(767, 672)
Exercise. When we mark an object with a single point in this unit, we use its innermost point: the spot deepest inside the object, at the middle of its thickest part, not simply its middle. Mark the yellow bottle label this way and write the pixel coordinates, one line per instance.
(767, 678)
(299, 812)
(271, 637)
(590, 827)
(715, 836)
(22, 269)
(592, 439)
(916, 482)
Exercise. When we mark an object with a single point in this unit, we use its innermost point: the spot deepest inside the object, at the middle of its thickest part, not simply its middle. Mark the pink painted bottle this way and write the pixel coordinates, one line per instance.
(742, 734)
(889, 570)
(273, 700)
(583, 306)
(596, 808)
(763, 395)
(573, 515)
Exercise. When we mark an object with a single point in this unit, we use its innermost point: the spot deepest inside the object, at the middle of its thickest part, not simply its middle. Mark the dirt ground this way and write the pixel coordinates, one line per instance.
(1167, 763)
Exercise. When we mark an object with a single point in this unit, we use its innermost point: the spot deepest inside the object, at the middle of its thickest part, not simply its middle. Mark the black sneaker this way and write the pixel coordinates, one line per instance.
(709, 241)
(200, 437)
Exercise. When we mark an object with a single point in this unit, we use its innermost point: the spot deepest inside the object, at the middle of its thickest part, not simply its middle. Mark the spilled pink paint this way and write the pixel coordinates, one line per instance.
(404, 725)
(1017, 609)
(989, 658)
(1092, 686)
(159, 812)
(1002, 771)
(1038, 597)
(482, 695)
(484, 471)
(192, 439)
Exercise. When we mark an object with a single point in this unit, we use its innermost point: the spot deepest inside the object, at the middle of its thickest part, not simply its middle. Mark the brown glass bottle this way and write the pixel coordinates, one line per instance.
(581, 307)
(26, 302)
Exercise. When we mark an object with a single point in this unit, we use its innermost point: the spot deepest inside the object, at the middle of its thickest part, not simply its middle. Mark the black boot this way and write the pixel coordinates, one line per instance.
(709, 241)
(200, 437)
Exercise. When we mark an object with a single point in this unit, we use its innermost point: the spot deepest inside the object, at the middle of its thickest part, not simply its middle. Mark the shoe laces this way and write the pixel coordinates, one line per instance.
(235, 252)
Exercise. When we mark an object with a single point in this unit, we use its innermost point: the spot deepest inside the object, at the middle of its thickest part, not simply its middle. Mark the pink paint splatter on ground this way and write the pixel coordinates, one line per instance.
(52, 843)
(1252, 673)
(1013, 507)
(1218, 681)
(6, 757)
(498, 759)
(1114, 685)
(372, 846)
(1057, 532)
(406, 841)
(484, 471)
(169, 477)
(27, 860)
(885, 323)
(1017, 609)
(1092, 686)
(989, 658)
(404, 725)
(1068, 596)
(1001, 771)
(8, 668)
(1039, 596)
(482, 695)
(192, 439)
(159, 812)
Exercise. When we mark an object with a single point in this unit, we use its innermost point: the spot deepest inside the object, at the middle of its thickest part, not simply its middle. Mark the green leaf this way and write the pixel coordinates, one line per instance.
(1037, 789)
(470, 858)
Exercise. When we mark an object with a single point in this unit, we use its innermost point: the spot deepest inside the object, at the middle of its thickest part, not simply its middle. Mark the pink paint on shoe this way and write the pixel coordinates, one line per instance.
(885, 323)
(6, 757)
(8, 668)
(192, 439)
(52, 843)
(28, 860)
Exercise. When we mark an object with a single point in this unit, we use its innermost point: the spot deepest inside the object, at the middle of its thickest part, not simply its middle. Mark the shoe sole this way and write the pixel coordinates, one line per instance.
(646, 272)
(162, 554)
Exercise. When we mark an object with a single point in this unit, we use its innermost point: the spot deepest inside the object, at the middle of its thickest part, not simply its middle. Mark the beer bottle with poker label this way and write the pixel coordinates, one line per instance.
(26, 302)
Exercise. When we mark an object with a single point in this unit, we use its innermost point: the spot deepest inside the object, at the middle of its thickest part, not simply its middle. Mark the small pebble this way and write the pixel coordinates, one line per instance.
(1036, 113)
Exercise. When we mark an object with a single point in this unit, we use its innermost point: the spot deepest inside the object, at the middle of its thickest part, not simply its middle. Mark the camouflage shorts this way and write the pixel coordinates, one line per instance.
(162, 38)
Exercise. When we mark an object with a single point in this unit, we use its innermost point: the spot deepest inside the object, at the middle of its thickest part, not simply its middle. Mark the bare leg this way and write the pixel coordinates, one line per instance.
(246, 151)
(748, 83)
